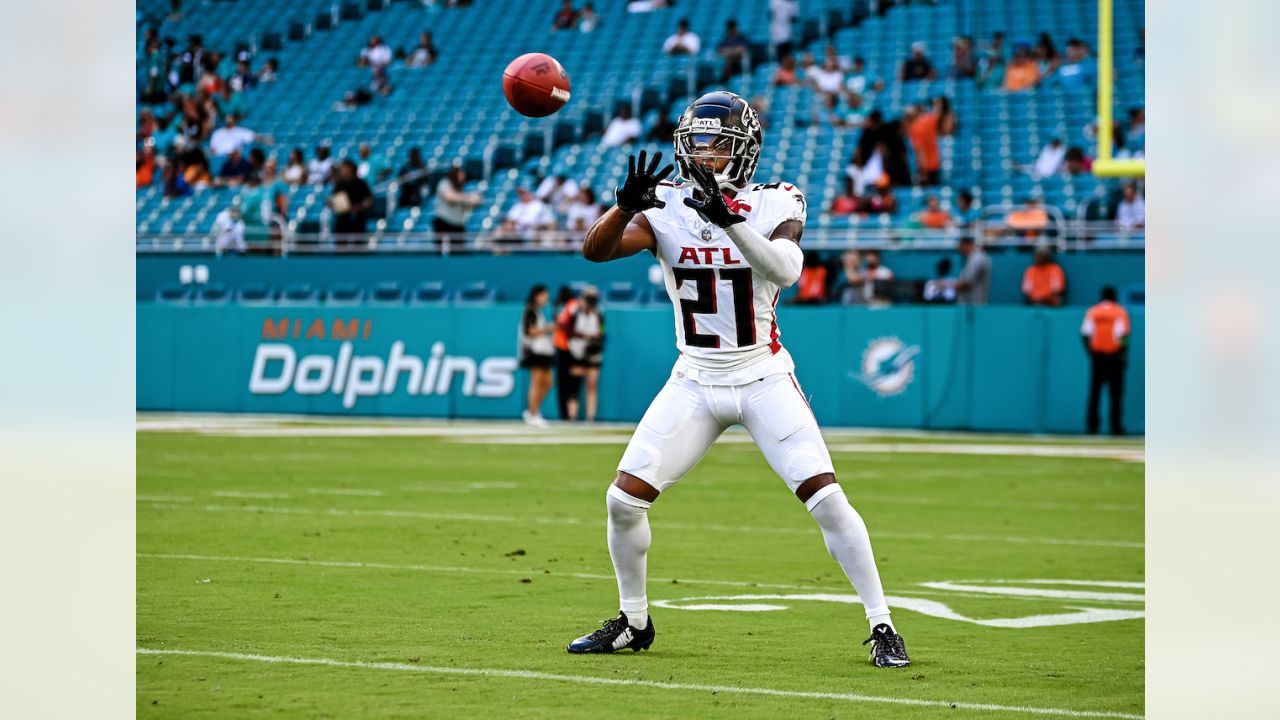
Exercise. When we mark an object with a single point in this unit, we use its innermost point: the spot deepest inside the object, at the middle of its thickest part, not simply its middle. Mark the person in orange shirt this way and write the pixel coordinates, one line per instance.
(1105, 332)
(1022, 73)
(811, 288)
(923, 133)
(933, 216)
(1044, 283)
(567, 384)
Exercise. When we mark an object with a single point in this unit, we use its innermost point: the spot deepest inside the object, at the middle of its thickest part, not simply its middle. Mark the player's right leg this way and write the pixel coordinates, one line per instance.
(676, 431)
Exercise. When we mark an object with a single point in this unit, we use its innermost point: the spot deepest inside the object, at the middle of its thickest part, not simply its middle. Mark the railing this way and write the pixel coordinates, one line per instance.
(1071, 236)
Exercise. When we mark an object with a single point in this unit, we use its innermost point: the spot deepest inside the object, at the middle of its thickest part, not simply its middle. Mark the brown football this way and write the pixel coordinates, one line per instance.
(535, 84)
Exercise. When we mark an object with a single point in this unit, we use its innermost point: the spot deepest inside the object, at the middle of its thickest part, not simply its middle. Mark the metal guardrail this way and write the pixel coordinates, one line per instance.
(1069, 236)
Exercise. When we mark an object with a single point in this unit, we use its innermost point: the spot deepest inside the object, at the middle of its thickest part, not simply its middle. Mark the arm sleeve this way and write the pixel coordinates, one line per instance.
(779, 262)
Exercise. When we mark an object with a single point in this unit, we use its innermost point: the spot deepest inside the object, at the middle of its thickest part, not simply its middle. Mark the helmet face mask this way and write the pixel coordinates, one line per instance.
(719, 126)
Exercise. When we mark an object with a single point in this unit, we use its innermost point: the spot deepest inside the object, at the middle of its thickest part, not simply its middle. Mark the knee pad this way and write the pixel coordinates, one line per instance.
(641, 459)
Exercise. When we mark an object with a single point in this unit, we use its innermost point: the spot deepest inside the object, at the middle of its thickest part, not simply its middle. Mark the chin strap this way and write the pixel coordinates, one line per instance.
(778, 261)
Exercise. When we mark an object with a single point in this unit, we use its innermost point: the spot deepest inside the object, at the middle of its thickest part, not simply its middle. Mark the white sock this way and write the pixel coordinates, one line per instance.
(848, 542)
(629, 539)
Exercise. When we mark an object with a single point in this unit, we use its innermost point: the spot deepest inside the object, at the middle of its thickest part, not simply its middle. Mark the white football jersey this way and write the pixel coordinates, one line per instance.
(724, 310)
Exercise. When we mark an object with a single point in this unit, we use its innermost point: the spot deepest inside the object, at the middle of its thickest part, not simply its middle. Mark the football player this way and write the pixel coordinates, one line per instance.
(727, 248)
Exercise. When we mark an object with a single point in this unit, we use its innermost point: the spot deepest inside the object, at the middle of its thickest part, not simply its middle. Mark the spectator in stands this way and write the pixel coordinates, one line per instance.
(1079, 72)
(320, 169)
(270, 71)
(589, 20)
(933, 216)
(426, 52)
(189, 61)
(1046, 54)
(229, 103)
(859, 85)
(453, 205)
(243, 79)
(1023, 72)
(528, 215)
(963, 62)
(683, 42)
(147, 125)
(973, 286)
(948, 121)
(1131, 214)
(966, 213)
(412, 178)
(565, 18)
(1049, 162)
(922, 129)
(557, 191)
(295, 171)
(782, 14)
(351, 202)
(1105, 332)
(1135, 133)
(811, 288)
(371, 168)
(228, 230)
(1044, 283)
(380, 83)
(991, 62)
(1077, 163)
(583, 211)
(232, 137)
(175, 185)
(586, 345)
(235, 170)
(827, 80)
(567, 384)
(786, 73)
(844, 204)
(622, 129)
(733, 48)
(197, 121)
(882, 201)
(537, 352)
(917, 67)
(154, 66)
(194, 164)
(265, 196)
(1031, 219)
(145, 169)
(940, 289)
(375, 55)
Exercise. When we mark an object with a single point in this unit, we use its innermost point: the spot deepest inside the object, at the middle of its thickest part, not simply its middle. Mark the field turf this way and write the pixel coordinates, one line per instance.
(300, 570)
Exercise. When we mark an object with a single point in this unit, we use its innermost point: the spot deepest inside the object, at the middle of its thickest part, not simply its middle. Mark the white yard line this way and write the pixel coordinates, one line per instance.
(163, 498)
(345, 491)
(1055, 451)
(250, 495)
(469, 517)
(534, 572)
(594, 680)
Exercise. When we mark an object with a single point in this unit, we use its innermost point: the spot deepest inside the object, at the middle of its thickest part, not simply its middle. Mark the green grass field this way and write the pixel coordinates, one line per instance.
(286, 573)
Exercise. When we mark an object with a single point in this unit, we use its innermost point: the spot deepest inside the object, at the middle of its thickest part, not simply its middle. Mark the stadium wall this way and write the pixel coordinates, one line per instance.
(989, 369)
(512, 275)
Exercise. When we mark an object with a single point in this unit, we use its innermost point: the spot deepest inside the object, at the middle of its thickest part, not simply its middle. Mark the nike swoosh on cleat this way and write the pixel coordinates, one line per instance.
(622, 640)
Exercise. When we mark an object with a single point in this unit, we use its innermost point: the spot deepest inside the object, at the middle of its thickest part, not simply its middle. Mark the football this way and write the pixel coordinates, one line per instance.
(535, 84)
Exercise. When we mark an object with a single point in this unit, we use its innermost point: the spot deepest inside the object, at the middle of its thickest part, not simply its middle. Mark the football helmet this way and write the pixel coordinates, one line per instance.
(720, 124)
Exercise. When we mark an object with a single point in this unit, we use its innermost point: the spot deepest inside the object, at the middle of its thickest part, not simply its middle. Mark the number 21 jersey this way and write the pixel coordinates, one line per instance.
(725, 312)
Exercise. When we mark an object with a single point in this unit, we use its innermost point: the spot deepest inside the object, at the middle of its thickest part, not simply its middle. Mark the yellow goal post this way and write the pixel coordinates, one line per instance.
(1105, 165)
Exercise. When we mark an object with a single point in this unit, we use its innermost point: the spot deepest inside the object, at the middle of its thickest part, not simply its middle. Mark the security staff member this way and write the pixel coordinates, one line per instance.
(1106, 338)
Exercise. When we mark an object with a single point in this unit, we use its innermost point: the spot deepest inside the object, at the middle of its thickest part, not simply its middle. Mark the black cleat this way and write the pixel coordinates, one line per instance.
(615, 635)
(887, 648)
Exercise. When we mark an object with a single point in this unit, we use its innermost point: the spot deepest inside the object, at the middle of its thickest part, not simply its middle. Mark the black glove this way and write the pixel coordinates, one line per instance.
(712, 206)
(637, 193)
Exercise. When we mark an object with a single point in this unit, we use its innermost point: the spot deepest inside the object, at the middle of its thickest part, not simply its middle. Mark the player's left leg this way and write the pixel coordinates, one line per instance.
(777, 415)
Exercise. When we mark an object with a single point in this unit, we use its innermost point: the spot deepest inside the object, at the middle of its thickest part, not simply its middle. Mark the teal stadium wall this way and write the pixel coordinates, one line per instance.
(989, 369)
(512, 275)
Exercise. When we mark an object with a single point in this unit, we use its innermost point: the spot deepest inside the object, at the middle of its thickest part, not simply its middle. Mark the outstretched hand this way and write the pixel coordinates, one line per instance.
(712, 207)
(637, 193)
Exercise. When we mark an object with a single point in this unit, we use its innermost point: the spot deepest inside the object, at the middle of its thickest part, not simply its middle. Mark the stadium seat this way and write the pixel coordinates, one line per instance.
(622, 293)
(213, 294)
(174, 293)
(429, 293)
(344, 294)
(255, 294)
(479, 292)
(299, 294)
(387, 293)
